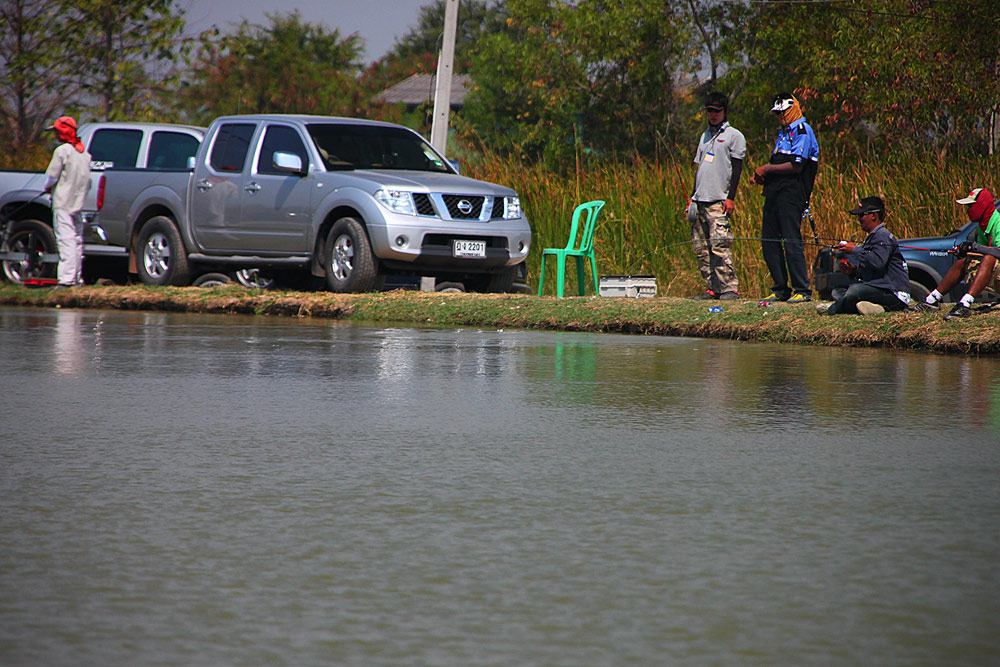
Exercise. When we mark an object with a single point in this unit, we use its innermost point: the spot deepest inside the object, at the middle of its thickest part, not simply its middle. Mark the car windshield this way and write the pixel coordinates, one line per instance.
(350, 146)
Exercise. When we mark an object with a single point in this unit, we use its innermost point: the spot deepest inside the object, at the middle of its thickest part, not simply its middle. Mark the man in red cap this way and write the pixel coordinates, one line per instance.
(981, 210)
(68, 180)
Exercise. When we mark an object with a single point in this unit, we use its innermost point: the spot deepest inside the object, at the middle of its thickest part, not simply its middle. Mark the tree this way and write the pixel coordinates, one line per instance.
(476, 19)
(899, 71)
(36, 71)
(287, 66)
(593, 75)
(125, 50)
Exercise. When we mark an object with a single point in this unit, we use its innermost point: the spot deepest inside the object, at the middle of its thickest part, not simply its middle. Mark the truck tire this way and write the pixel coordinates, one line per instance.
(33, 239)
(211, 280)
(255, 278)
(918, 292)
(349, 262)
(162, 257)
(500, 282)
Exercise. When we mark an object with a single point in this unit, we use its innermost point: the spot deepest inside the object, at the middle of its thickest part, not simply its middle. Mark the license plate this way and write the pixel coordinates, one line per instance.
(469, 248)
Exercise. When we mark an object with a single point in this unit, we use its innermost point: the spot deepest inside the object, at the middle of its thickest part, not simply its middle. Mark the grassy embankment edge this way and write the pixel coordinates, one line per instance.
(661, 316)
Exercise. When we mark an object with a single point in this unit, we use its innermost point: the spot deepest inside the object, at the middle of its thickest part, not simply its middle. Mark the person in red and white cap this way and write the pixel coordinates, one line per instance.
(68, 181)
(982, 210)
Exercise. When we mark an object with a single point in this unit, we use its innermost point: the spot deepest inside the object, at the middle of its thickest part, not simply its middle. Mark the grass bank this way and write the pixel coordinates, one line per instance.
(662, 316)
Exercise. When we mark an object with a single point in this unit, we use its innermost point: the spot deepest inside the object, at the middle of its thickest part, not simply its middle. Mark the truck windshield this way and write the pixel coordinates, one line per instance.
(351, 146)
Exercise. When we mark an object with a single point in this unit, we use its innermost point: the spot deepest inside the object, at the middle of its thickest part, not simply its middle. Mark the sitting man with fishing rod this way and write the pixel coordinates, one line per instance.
(884, 282)
(983, 211)
(788, 182)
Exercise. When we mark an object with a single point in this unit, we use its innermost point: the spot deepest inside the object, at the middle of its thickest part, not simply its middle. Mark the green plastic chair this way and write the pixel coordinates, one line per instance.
(582, 252)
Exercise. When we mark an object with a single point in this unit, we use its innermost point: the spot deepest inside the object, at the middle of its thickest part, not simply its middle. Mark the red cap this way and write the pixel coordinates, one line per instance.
(65, 128)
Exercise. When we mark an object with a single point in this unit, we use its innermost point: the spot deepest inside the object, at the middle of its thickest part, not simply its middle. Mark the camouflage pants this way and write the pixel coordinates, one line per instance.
(712, 237)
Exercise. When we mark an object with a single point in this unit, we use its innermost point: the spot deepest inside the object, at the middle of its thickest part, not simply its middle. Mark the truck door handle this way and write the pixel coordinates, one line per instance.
(204, 184)
(252, 187)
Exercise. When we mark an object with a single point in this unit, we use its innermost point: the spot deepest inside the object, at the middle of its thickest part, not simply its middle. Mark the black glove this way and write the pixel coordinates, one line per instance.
(963, 248)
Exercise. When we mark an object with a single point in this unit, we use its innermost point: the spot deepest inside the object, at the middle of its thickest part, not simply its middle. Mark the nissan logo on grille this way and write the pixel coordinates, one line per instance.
(465, 207)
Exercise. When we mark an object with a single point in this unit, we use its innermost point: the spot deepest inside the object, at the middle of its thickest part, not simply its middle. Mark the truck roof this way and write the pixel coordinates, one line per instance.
(128, 125)
(307, 118)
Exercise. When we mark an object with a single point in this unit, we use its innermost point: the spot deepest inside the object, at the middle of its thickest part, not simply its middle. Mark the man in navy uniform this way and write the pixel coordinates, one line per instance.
(788, 182)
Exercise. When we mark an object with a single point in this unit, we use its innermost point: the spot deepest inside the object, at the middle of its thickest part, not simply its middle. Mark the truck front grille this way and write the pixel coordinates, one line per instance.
(464, 207)
(423, 203)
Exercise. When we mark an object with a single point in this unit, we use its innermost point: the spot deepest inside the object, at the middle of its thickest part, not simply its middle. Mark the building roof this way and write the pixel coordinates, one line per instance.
(419, 88)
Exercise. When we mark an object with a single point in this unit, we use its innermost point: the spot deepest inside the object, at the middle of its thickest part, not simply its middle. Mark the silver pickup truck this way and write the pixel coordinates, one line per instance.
(27, 243)
(345, 199)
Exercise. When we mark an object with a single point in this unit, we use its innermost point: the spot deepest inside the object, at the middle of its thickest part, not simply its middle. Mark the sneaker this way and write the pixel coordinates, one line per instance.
(730, 296)
(924, 307)
(772, 297)
(799, 298)
(869, 308)
(709, 294)
(821, 308)
(958, 311)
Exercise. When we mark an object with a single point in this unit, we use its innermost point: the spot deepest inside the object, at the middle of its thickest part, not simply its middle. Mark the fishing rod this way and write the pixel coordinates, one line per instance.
(10, 214)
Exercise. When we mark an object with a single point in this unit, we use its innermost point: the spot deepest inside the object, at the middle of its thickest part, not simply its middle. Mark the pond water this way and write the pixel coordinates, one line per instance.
(209, 490)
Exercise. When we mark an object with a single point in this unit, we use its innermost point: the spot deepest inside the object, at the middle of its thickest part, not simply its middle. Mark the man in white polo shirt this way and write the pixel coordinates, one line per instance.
(719, 160)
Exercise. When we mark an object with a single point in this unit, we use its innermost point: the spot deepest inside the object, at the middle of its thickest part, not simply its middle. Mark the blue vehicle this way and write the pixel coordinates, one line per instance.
(928, 260)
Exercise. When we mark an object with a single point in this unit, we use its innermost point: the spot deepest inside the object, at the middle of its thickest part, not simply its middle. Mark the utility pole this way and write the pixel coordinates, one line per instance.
(442, 83)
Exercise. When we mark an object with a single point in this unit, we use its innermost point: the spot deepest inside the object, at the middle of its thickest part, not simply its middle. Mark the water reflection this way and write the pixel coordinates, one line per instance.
(472, 496)
(642, 378)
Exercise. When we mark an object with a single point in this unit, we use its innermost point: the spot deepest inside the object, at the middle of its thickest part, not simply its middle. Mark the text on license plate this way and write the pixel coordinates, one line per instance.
(469, 248)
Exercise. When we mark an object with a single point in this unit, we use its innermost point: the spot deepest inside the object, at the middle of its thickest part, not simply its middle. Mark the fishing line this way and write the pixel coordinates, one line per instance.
(736, 238)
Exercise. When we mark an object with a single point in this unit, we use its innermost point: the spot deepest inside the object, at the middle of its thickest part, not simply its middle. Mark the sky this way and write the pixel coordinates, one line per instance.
(378, 22)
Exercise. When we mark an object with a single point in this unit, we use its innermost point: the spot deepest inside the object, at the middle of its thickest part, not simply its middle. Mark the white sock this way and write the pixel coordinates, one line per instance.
(967, 300)
(933, 297)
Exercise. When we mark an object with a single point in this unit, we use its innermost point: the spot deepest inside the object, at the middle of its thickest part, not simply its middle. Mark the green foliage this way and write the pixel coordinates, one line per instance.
(36, 70)
(588, 76)
(476, 19)
(892, 72)
(287, 66)
(125, 51)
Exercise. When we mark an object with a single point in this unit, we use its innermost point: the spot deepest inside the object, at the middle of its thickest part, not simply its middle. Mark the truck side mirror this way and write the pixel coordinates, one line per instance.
(454, 165)
(288, 162)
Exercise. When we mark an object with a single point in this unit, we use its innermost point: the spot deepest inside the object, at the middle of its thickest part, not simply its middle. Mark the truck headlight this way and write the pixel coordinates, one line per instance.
(511, 208)
(397, 201)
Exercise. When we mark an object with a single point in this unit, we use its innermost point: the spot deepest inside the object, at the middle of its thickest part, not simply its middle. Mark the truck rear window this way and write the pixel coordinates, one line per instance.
(350, 146)
(171, 150)
(115, 148)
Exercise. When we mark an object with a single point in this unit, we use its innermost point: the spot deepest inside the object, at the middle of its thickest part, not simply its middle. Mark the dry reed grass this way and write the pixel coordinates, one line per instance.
(643, 230)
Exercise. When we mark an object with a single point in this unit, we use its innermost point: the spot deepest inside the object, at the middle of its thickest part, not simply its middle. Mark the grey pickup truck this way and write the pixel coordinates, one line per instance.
(27, 242)
(345, 199)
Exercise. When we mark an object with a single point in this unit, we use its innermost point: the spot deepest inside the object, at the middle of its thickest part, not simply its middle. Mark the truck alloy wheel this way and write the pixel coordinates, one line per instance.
(33, 252)
(162, 257)
(349, 262)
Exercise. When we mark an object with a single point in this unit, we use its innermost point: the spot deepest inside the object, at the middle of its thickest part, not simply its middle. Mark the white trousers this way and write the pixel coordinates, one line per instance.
(69, 237)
